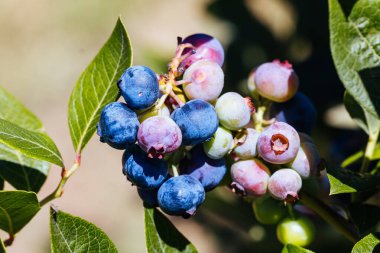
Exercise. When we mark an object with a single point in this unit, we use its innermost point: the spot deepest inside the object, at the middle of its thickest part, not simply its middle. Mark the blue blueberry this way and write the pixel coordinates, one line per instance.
(148, 196)
(143, 171)
(118, 125)
(181, 195)
(139, 87)
(208, 171)
(197, 120)
(298, 112)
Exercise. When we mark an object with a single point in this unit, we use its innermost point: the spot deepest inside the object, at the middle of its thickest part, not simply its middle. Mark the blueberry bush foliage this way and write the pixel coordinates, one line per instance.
(183, 137)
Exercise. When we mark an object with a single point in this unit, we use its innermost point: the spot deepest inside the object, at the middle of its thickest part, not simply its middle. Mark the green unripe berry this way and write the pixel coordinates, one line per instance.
(269, 211)
(300, 231)
(219, 145)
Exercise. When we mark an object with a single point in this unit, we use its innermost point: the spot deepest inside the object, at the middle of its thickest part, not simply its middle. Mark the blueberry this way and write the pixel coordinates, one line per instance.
(148, 196)
(181, 195)
(298, 112)
(233, 110)
(276, 81)
(208, 171)
(248, 149)
(220, 143)
(307, 160)
(197, 120)
(278, 143)
(284, 184)
(249, 177)
(118, 125)
(206, 80)
(206, 47)
(139, 87)
(143, 171)
(158, 136)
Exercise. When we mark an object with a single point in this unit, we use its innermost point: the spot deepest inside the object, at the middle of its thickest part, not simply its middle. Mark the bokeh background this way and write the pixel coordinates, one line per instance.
(45, 45)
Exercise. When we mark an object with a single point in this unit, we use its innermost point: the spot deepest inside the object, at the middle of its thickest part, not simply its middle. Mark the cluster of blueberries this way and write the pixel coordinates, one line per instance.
(178, 130)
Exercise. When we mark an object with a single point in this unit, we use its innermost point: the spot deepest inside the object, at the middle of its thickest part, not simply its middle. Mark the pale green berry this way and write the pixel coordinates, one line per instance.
(219, 145)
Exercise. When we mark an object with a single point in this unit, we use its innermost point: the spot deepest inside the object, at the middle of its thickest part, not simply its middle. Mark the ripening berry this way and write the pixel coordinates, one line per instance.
(307, 160)
(209, 172)
(233, 110)
(285, 184)
(139, 87)
(298, 112)
(118, 125)
(197, 120)
(276, 81)
(248, 149)
(181, 195)
(205, 47)
(220, 143)
(143, 171)
(299, 232)
(252, 86)
(279, 143)
(249, 177)
(206, 80)
(158, 136)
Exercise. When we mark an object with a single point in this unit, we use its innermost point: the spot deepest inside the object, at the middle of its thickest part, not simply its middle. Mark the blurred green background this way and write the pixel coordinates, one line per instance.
(45, 45)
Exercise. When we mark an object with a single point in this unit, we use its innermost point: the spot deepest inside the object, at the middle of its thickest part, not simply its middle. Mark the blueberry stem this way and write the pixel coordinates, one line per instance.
(181, 82)
(290, 210)
(176, 98)
(65, 175)
(330, 216)
(8, 242)
(175, 171)
(369, 151)
(258, 117)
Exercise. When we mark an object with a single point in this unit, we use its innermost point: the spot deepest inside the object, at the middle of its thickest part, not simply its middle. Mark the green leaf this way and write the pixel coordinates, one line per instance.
(355, 47)
(17, 208)
(73, 235)
(30, 144)
(347, 181)
(365, 216)
(21, 172)
(367, 244)
(97, 86)
(13, 111)
(358, 156)
(290, 248)
(338, 187)
(22, 177)
(162, 236)
(355, 111)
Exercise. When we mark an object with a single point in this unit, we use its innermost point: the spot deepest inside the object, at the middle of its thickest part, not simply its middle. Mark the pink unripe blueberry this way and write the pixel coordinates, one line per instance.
(249, 177)
(284, 184)
(276, 81)
(206, 80)
(205, 47)
(248, 149)
(159, 135)
(307, 160)
(279, 143)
